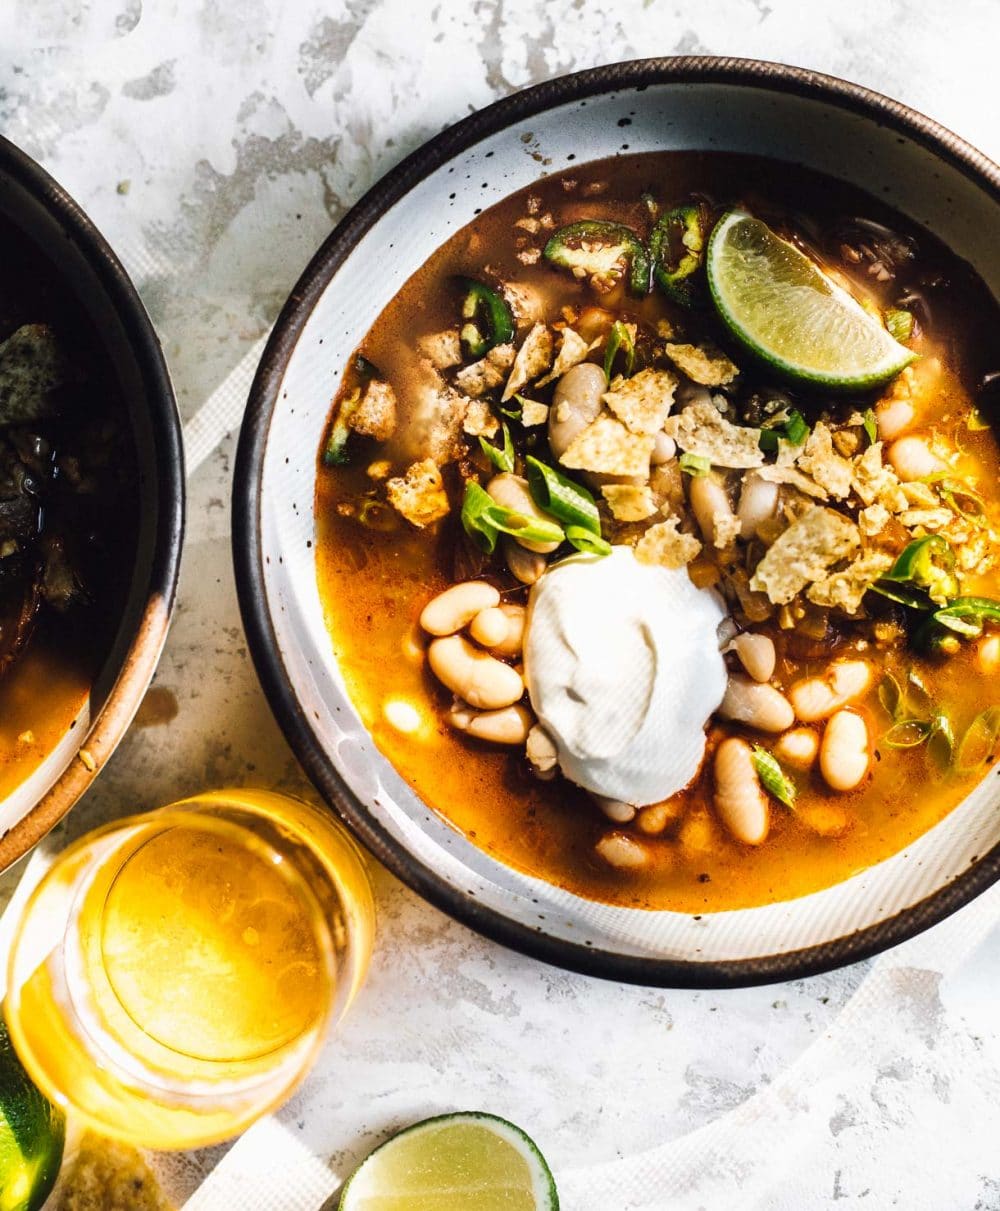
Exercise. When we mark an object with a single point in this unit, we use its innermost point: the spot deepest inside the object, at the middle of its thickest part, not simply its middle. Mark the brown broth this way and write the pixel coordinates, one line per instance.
(374, 584)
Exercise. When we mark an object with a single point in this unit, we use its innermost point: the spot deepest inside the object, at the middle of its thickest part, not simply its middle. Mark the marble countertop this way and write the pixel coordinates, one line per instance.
(215, 144)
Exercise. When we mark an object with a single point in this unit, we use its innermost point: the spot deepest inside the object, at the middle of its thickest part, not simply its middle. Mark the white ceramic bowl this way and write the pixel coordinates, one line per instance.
(674, 104)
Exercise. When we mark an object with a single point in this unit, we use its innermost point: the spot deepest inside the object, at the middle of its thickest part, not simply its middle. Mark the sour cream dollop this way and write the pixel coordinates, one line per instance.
(623, 669)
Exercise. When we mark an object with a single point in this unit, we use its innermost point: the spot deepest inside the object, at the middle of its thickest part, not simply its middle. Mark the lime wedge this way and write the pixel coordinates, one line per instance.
(32, 1132)
(453, 1163)
(784, 309)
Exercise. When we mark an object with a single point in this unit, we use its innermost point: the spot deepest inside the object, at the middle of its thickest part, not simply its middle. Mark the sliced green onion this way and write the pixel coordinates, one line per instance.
(890, 695)
(773, 777)
(870, 426)
(979, 741)
(899, 323)
(484, 521)
(907, 733)
(587, 540)
(501, 457)
(561, 496)
(619, 341)
(695, 464)
(966, 615)
(335, 451)
(508, 411)
(792, 429)
(941, 744)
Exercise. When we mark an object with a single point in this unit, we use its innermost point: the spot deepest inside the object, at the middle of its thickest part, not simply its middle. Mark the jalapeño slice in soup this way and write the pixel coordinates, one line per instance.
(658, 531)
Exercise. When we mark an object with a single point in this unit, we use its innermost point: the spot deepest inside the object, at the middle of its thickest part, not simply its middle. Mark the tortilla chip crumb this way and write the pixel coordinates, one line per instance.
(379, 469)
(419, 495)
(780, 474)
(814, 542)
(534, 356)
(108, 1176)
(572, 350)
(533, 413)
(844, 590)
(628, 502)
(701, 429)
(375, 415)
(929, 519)
(873, 520)
(487, 373)
(663, 544)
(607, 447)
(643, 401)
(479, 420)
(819, 460)
(442, 349)
(726, 529)
(703, 364)
(871, 480)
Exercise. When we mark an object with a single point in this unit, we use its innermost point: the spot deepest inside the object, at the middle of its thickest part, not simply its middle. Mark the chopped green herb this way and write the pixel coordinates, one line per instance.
(619, 341)
(484, 521)
(870, 426)
(694, 464)
(501, 457)
(561, 496)
(773, 777)
(899, 323)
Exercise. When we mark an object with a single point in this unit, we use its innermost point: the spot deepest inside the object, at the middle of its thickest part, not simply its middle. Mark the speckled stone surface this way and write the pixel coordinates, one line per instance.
(215, 143)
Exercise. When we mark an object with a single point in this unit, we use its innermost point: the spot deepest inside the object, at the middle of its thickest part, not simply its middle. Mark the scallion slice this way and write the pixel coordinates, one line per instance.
(772, 777)
(619, 341)
(979, 741)
(694, 464)
(587, 540)
(502, 457)
(484, 521)
(870, 426)
(561, 496)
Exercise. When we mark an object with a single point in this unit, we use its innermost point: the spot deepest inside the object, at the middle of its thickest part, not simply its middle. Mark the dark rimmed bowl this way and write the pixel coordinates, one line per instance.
(46, 215)
(688, 103)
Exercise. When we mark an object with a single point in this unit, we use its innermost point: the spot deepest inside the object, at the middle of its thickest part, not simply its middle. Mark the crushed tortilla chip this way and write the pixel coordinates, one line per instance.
(781, 474)
(533, 413)
(871, 479)
(487, 373)
(534, 356)
(643, 401)
(435, 421)
(725, 529)
(820, 461)
(442, 349)
(572, 350)
(479, 420)
(703, 364)
(929, 519)
(844, 590)
(873, 520)
(919, 496)
(607, 447)
(663, 544)
(419, 495)
(107, 1176)
(380, 469)
(628, 502)
(375, 415)
(801, 554)
(701, 429)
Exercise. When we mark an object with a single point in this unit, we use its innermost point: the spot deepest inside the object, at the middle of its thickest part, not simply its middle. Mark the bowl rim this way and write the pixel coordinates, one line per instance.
(139, 660)
(247, 504)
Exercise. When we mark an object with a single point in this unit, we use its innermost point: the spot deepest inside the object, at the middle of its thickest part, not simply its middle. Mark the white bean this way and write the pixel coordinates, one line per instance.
(542, 754)
(894, 418)
(457, 606)
(759, 706)
(739, 798)
(655, 818)
(509, 725)
(758, 503)
(615, 809)
(712, 510)
(756, 654)
(797, 748)
(988, 654)
(664, 448)
(844, 753)
(576, 402)
(912, 458)
(475, 675)
(815, 698)
(621, 851)
(513, 641)
(512, 492)
(489, 627)
(525, 566)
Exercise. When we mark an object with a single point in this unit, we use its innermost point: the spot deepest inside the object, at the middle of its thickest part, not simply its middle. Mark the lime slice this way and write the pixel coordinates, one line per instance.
(782, 307)
(453, 1163)
(31, 1136)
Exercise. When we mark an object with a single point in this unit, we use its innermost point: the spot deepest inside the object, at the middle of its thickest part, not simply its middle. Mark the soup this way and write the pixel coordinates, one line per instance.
(705, 443)
(68, 508)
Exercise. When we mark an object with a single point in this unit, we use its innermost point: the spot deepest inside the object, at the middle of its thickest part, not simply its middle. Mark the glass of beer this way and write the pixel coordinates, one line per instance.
(174, 974)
